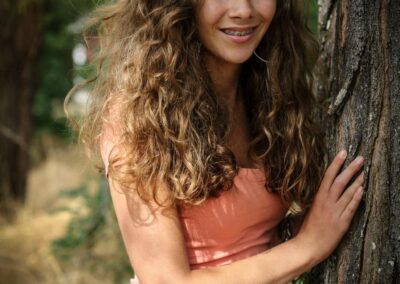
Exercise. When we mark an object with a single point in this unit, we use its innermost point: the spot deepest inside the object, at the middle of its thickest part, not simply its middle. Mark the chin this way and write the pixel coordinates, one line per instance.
(236, 58)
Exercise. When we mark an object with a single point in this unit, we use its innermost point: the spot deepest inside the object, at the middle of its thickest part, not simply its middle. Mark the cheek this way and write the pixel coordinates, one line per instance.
(266, 8)
(209, 14)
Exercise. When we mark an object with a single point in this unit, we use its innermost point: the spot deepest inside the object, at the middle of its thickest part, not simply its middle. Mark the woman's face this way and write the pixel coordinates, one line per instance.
(232, 29)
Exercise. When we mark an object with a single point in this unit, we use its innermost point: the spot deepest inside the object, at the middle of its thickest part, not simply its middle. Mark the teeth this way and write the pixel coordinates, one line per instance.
(238, 33)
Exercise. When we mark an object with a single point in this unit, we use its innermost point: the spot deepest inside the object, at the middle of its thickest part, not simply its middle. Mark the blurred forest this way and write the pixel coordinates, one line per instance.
(56, 219)
(57, 224)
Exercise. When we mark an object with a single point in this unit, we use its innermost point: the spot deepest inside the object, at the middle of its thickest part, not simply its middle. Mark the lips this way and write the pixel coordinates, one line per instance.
(239, 35)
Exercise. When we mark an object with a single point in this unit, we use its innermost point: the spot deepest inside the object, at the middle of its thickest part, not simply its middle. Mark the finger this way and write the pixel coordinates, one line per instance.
(333, 170)
(343, 179)
(347, 196)
(351, 208)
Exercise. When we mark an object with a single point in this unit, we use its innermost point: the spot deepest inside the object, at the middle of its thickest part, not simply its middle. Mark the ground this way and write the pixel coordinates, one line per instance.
(25, 250)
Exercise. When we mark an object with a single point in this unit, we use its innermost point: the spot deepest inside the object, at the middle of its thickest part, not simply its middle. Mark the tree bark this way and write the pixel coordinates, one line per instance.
(358, 75)
(19, 44)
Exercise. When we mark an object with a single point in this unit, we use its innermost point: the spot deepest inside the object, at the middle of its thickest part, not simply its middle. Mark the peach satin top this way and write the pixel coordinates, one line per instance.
(238, 224)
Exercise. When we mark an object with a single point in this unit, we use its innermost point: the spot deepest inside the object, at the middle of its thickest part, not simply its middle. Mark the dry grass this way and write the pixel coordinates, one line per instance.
(25, 251)
(25, 245)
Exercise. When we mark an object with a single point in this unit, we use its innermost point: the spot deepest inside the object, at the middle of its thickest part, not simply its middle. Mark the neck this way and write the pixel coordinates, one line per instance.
(225, 77)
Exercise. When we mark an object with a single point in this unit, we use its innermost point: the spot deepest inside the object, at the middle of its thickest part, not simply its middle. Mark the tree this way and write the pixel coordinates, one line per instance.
(19, 45)
(36, 72)
(358, 75)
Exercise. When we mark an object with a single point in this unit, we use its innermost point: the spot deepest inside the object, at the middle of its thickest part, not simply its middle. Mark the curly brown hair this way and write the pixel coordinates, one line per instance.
(172, 127)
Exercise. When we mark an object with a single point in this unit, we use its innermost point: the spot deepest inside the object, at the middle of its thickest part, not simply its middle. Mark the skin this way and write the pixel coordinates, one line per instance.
(153, 237)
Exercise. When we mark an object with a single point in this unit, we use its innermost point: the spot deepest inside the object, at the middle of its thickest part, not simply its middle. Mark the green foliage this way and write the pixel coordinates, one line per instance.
(313, 16)
(55, 67)
(83, 227)
(93, 225)
(303, 279)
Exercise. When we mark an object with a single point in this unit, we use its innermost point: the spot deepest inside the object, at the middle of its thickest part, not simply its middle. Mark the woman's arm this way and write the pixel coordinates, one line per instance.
(156, 248)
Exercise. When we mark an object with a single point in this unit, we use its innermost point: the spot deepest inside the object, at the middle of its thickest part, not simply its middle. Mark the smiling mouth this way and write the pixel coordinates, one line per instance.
(233, 32)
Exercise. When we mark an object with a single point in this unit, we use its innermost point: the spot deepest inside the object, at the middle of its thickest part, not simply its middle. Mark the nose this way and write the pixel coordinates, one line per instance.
(241, 9)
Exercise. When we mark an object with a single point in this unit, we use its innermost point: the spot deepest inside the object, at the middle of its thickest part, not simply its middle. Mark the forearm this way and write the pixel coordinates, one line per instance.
(280, 264)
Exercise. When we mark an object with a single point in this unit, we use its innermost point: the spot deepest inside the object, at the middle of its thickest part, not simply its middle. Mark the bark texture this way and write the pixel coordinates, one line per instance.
(19, 43)
(358, 76)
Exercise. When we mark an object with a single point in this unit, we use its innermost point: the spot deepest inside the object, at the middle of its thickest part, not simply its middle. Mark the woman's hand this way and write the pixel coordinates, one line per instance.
(333, 208)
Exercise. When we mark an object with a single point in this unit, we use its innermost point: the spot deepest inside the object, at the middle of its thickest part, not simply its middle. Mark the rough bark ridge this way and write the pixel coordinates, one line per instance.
(19, 43)
(358, 75)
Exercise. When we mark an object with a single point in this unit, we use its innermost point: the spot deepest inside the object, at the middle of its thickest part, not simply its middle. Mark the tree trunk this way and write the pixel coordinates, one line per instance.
(19, 42)
(358, 75)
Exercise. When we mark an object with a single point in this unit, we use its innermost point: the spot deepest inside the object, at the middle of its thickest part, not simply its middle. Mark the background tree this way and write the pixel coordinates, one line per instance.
(36, 72)
(19, 45)
(358, 76)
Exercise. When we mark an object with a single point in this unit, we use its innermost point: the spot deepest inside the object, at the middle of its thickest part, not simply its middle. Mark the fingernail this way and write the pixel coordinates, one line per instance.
(360, 160)
(343, 154)
(360, 190)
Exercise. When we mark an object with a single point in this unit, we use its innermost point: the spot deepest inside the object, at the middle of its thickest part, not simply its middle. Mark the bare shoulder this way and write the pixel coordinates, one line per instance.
(111, 132)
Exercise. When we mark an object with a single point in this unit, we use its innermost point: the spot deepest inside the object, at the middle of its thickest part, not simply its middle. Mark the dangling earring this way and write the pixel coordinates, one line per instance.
(259, 57)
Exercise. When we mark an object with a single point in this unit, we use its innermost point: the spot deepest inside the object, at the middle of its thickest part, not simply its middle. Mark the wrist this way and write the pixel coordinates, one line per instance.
(309, 250)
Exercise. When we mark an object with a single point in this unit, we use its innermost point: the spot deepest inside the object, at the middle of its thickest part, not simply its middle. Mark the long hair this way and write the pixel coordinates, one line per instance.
(172, 126)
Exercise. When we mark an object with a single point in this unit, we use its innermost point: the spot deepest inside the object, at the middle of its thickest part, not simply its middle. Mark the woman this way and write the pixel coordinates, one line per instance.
(202, 113)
